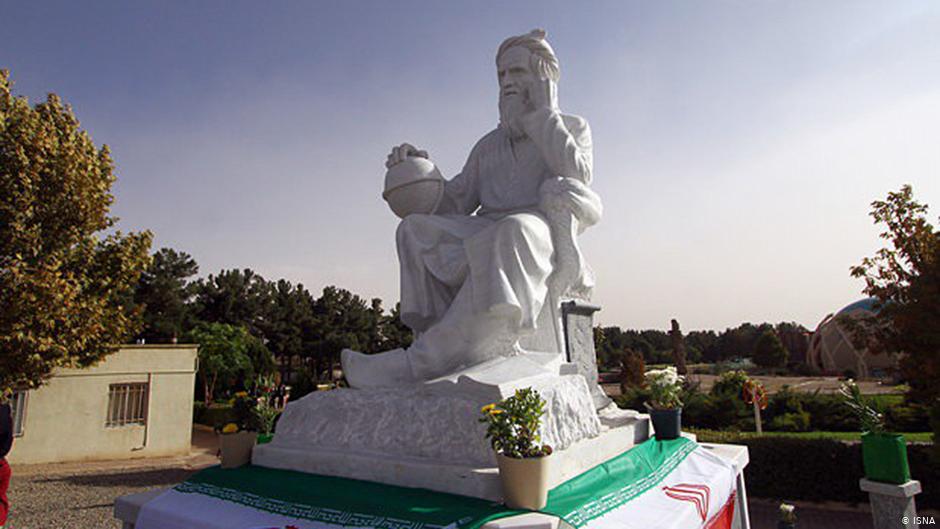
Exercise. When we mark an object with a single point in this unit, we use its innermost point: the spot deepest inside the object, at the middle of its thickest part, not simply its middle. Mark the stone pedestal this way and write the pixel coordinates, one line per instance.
(578, 322)
(892, 506)
(429, 435)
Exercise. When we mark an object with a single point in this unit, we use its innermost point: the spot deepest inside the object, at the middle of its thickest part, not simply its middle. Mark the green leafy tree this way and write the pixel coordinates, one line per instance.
(905, 278)
(395, 334)
(66, 279)
(291, 329)
(164, 293)
(769, 351)
(223, 354)
(343, 320)
(235, 297)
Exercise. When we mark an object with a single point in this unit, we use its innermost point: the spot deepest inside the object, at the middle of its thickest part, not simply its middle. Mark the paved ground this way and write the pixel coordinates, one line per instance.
(81, 495)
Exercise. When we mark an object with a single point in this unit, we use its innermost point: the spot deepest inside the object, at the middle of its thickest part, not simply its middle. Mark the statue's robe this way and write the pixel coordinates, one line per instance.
(488, 235)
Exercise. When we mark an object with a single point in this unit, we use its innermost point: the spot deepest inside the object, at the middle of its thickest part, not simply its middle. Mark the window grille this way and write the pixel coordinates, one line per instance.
(18, 408)
(127, 404)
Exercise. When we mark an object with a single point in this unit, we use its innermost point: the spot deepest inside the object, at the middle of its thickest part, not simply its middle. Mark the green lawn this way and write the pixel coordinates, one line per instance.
(719, 436)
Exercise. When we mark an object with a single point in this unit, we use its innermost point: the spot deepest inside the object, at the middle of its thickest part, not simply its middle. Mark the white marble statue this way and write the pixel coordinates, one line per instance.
(477, 271)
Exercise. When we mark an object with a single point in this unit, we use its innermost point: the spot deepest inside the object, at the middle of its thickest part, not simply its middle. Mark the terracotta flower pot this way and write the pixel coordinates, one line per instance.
(525, 481)
(236, 448)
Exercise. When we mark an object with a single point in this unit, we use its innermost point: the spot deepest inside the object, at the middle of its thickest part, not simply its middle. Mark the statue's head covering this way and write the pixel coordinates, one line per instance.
(544, 61)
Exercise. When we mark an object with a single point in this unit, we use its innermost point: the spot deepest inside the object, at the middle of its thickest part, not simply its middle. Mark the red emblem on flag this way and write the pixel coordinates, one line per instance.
(696, 494)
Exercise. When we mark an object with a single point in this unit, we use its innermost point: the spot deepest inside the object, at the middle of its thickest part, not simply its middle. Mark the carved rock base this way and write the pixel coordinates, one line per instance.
(429, 436)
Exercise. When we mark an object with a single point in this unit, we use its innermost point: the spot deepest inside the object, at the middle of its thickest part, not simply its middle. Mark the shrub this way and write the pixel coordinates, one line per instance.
(730, 382)
(633, 399)
(827, 413)
(935, 422)
(907, 418)
(632, 369)
(790, 422)
(215, 415)
(199, 412)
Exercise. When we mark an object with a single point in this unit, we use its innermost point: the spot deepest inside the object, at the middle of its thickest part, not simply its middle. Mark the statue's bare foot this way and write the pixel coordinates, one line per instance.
(382, 370)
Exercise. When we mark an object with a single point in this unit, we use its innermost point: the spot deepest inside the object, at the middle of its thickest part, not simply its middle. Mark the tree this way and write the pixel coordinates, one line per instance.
(632, 370)
(795, 338)
(769, 351)
(678, 348)
(223, 354)
(395, 334)
(291, 328)
(904, 276)
(66, 280)
(236, 297)
(343, 320)
(164, 292)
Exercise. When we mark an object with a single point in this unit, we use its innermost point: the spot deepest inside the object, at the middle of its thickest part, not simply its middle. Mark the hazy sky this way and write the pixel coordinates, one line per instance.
(737, 144)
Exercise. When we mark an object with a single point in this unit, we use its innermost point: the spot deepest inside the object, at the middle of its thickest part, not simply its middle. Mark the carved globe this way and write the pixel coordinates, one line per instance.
(413, 186)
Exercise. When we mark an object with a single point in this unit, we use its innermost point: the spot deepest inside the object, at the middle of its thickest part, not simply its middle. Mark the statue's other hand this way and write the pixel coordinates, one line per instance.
(401, 152)
(543, 95)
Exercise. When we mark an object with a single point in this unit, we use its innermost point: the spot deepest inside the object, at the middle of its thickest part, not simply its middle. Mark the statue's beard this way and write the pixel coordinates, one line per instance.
(510, 110)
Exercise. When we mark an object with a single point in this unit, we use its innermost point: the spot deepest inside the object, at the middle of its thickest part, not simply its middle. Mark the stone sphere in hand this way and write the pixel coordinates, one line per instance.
(413, 186)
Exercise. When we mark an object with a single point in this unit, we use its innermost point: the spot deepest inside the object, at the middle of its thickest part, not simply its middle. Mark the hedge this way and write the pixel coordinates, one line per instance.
(214, 415)
(788, 411)
(786, 468)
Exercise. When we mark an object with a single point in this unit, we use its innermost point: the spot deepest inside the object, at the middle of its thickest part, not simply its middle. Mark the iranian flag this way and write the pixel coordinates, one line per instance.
(673, 484)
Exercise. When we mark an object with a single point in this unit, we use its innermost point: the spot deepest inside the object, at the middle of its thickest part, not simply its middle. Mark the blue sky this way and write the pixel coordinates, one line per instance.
(737, 144)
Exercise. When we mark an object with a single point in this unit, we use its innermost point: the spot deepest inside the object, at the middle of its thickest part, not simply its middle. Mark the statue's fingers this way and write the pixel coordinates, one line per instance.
(395, 157)
(407, 149)
(422, 153)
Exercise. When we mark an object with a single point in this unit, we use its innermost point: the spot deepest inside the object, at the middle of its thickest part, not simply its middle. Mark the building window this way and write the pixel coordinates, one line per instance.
(18, 407)
(127, 404)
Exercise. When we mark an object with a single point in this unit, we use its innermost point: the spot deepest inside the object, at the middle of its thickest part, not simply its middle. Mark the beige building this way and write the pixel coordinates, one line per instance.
(138, 402)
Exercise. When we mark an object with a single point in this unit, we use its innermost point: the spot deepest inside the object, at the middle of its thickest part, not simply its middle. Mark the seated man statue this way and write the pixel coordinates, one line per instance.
(475, 274)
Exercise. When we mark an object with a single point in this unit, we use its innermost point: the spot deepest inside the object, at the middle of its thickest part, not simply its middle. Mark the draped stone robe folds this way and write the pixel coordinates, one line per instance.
(481, 262)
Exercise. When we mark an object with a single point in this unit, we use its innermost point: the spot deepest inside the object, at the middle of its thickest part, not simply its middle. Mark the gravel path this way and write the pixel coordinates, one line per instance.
(81, 495)
(83, 500)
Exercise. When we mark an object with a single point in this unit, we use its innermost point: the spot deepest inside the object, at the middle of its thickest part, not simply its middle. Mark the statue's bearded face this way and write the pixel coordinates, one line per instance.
(516, 82)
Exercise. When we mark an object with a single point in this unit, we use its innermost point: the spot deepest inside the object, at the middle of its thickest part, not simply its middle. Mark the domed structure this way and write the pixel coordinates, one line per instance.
(831, 349)
(413, 186)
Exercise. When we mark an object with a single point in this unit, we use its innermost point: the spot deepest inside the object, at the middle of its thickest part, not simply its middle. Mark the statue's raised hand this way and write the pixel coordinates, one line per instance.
(401, 152)
(543, 95)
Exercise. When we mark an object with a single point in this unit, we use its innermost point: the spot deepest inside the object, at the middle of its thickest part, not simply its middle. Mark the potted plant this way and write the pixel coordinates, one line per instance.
(235, 445)
(512, 428)
(665, 405)
(884, 454)
(237, 438)
(264, 413)
(787, 517)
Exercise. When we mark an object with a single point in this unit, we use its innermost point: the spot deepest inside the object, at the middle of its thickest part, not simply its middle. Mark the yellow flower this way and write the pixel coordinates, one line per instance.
(230, 428)
(488, 408)
(496, 411)
(241, 394)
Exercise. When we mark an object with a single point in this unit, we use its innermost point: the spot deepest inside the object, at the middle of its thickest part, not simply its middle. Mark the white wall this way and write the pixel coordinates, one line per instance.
(65, 418)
